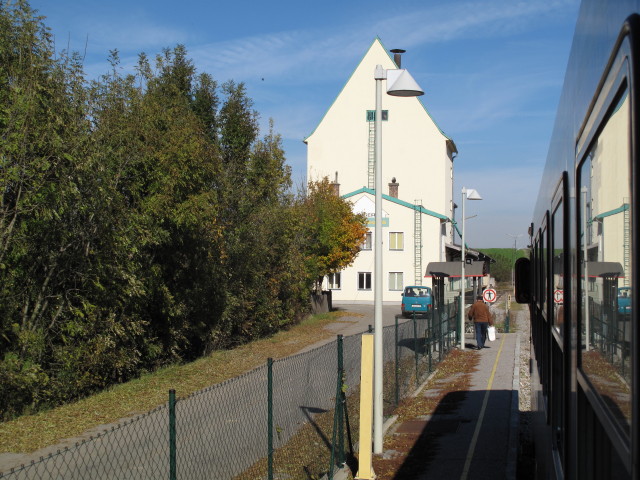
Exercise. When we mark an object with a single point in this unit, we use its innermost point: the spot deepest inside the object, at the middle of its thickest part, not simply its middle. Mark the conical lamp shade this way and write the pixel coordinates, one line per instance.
(400, 83)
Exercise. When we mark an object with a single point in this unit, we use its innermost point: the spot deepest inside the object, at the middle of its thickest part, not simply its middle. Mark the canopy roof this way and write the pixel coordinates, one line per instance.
(605, 269)
(454, 269)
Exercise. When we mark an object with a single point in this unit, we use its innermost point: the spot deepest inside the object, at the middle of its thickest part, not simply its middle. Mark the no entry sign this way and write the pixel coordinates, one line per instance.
(489, 295)
(558, 296)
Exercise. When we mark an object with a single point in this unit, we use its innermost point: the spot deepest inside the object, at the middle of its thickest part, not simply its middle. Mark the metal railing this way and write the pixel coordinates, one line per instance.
(292, 418)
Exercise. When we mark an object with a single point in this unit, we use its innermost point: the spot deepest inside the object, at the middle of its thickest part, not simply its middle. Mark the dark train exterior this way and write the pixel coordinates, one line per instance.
(580, 279)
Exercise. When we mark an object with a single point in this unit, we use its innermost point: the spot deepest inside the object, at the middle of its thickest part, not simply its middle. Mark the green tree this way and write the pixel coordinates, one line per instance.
(44, 132)
(143, 219)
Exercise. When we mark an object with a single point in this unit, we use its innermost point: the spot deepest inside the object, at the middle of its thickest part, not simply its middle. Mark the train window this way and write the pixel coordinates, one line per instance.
(557, 266)
(543, 269)
(606, 278)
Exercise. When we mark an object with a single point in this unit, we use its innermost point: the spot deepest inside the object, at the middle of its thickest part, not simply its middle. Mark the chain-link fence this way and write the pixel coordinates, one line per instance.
(294, 418)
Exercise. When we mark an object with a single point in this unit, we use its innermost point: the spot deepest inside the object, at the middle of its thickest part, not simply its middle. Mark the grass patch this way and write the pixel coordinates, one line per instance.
(32, 432)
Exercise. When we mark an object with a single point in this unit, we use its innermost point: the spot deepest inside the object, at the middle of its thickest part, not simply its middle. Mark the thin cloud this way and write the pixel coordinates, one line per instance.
(327, 50)
(309, 52)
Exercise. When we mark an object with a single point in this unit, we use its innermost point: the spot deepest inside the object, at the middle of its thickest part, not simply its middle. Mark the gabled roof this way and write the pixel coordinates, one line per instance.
(412, 206)
(450, 143)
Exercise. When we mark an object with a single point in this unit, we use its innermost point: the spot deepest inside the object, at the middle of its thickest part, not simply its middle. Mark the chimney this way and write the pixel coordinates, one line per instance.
(397, 56)
(393, 188)
(336, 186)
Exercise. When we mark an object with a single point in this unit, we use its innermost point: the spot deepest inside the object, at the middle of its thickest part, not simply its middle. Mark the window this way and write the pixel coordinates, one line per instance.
(396, 241)
(366, 245)
(364, 280)
(333, 281)
(396, 280)
(557, 265)
(605, 207)
(371, 115)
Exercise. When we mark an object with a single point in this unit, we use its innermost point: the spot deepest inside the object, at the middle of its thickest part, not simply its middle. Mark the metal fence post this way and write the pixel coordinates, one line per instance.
(397, 369)
(341, 454)
(430, 337)
(172, 434)
(338, 423)
(460, 330)
(270, 417)
(415, 346)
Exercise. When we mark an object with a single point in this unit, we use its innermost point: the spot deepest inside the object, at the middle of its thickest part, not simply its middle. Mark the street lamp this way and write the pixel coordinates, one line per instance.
(468, 194)
(399, 84)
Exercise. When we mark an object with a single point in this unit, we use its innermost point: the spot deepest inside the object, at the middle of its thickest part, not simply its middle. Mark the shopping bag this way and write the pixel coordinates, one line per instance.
(491, 333)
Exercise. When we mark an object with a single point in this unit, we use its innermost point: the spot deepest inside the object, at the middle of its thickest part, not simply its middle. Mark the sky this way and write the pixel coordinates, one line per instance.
(492, 71)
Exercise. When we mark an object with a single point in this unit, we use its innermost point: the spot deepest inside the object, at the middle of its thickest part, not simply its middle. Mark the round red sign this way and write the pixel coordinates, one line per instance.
(489, 295)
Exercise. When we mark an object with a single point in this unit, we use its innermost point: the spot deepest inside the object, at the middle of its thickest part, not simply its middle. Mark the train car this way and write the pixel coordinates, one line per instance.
(579, 281)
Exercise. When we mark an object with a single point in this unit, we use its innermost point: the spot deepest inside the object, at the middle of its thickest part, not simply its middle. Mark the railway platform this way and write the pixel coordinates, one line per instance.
(473, 431)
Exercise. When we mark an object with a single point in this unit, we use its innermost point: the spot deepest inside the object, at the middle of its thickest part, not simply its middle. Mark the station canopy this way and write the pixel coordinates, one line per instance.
(454, 269)
(605, 269)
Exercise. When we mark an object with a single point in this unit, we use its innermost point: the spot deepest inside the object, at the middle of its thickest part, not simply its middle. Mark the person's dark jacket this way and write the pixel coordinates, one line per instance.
(480, 313)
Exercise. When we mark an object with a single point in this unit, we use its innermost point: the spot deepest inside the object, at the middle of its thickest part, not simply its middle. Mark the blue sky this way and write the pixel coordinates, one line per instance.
(492, 71)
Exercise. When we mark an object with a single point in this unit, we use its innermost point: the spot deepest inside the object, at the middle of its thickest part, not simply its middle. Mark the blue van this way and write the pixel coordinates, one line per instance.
(416, 299)
(624, 300)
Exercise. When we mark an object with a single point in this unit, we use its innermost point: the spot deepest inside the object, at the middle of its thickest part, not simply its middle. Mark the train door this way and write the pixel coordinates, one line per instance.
(561, 351)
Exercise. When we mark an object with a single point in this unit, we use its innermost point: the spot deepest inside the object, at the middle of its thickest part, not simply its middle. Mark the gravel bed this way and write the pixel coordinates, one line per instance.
(526, 461)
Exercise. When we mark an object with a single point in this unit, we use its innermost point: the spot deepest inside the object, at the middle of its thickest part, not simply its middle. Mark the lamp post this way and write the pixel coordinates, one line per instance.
(468, 194)
(399, 84)
(585, 242)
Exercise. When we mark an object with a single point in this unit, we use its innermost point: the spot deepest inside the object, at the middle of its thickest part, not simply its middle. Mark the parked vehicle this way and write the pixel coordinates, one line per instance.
(624, 300)
(416, 299)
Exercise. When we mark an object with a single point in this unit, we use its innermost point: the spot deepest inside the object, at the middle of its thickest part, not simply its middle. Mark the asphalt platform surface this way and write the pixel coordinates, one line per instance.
(471, 434)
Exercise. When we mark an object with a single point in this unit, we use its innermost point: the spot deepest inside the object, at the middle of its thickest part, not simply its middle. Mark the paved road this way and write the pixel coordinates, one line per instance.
(356, 320)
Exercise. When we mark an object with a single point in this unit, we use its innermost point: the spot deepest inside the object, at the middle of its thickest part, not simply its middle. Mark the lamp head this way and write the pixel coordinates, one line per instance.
(473, 194)
(400, 83)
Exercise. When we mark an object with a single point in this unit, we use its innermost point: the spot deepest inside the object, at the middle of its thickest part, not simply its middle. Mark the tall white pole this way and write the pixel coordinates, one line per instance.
(464, 194)
(585, 241)
(380, 75)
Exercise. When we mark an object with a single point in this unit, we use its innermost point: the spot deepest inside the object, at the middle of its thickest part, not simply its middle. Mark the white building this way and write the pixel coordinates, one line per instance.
(417, 166)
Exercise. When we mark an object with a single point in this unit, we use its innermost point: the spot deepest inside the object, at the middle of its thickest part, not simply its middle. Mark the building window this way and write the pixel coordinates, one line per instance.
(396, 281)
(366, 245)
(333, 281)
(371, 115)
(396, 241)
(364, 280)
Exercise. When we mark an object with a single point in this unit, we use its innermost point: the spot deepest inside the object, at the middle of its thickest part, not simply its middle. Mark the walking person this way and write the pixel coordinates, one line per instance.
(481, 316)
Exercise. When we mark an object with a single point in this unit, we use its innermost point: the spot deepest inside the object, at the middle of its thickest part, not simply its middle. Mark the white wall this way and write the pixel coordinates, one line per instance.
(414, 152)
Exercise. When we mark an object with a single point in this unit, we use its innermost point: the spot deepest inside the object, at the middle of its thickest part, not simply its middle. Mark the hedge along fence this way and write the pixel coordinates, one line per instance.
(293, 418)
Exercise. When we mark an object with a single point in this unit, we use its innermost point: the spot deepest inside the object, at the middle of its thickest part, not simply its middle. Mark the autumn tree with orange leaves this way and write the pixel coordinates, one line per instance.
(334, 233)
